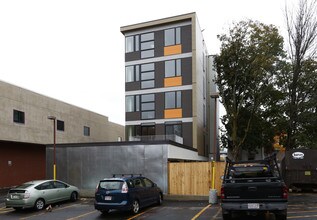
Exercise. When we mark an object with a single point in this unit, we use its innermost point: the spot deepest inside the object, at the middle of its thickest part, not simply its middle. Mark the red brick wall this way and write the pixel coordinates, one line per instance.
(27, 163)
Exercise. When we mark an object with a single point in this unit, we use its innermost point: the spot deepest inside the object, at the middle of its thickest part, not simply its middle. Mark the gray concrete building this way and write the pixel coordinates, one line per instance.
(26, 130)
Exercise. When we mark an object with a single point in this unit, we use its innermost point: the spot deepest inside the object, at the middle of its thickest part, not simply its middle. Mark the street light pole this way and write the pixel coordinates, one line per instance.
(215, 96)
(53, 118)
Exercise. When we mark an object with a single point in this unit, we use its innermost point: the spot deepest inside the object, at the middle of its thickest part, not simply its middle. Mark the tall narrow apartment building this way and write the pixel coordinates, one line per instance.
(167, 82)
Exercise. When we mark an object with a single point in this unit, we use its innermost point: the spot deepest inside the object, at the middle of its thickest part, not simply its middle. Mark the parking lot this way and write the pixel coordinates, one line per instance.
(301, 206)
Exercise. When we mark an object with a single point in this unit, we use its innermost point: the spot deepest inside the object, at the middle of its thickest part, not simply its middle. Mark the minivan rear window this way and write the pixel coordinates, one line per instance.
(111, 184)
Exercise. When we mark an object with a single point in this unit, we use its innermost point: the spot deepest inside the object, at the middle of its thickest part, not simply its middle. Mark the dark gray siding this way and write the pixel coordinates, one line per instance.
(159, 105)
(159, 74)
(187, 103)
(159, 43)
(132, 86)
(186, 39)
(132, 56)
(132, 116)
(187, 71)
(188, 134)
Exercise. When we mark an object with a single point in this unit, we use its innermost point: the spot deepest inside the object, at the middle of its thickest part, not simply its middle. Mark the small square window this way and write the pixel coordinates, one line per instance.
(60, 125)
(86, 131)
(18, 116)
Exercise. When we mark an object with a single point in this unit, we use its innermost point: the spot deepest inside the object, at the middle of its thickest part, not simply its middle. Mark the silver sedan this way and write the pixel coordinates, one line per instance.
(39, 193)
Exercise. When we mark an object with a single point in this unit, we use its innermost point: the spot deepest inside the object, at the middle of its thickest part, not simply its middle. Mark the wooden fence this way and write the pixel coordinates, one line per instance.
(193, 178)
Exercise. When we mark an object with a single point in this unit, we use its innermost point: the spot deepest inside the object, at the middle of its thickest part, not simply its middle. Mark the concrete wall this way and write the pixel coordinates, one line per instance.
(84, 165)
(38, 129)
(200, 89)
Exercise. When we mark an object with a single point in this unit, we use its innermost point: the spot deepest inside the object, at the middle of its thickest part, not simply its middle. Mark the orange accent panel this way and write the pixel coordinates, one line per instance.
(173, 81)
(175, 49)
(173, 113)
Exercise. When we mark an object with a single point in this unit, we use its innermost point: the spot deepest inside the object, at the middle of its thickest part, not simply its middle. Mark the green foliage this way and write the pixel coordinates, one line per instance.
(247, 66)
(305, 132)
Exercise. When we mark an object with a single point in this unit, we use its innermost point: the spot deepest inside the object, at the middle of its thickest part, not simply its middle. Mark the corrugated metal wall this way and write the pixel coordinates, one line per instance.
(83, 166)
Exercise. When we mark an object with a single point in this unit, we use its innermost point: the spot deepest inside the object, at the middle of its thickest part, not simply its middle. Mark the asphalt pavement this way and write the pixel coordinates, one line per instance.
(3, 194)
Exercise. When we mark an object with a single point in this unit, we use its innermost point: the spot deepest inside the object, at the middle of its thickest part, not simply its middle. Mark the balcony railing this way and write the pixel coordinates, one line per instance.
(174, 138)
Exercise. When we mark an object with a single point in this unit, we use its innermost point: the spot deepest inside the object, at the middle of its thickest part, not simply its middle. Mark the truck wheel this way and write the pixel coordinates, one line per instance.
(226, 216)
(281, 216)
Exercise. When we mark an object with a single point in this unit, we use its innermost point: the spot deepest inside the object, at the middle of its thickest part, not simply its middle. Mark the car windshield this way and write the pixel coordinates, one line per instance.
(111, 184)
(24, 186)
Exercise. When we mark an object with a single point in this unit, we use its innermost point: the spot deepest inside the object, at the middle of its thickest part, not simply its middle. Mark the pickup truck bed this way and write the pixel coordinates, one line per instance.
(252, 188)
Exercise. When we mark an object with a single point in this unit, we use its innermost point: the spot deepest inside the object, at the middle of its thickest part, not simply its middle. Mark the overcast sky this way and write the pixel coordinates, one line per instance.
(73, 50)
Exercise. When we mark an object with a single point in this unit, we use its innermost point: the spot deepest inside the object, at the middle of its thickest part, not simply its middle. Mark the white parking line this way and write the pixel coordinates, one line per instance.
(216, 215)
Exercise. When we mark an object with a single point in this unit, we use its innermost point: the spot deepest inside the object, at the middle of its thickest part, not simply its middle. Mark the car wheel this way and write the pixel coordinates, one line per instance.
(39, 204)
(160, 199)
(135, 206)
(74, 196)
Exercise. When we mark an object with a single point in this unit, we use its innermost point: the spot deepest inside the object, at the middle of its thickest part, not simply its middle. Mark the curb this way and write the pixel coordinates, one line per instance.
(185, 198)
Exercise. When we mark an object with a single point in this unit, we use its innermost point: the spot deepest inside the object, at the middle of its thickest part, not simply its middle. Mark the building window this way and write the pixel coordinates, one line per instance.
(173, 129)
(148, 106)
(173, 68)
(172, 36)
(147, 76)
(147, 45)
(18, 116)
(86, 131)
(132, 73)
(132, 44)
(60, 125)
(173, 99)
(132, 103)
(147, 53)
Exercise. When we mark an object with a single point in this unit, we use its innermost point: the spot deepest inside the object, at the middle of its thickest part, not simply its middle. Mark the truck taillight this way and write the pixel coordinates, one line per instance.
(285, 192)
(222, 193)
(124, 188)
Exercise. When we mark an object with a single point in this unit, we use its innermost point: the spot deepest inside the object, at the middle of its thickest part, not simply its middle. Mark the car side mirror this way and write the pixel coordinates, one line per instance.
(154, 185)
(222, 177)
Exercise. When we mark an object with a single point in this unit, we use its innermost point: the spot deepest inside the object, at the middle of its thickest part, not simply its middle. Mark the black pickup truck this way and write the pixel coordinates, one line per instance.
(253, 188)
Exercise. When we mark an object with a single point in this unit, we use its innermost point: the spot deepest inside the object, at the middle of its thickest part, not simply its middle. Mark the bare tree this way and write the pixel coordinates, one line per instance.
(302, 46)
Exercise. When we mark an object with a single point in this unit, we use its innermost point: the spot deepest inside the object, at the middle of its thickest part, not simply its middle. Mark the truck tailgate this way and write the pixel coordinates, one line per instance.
(252, 191)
